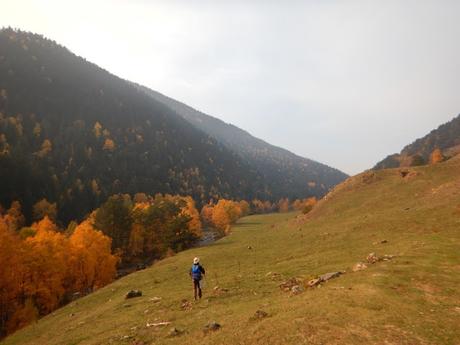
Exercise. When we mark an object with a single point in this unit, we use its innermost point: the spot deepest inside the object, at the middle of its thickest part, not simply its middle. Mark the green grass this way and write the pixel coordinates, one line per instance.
(412, 299)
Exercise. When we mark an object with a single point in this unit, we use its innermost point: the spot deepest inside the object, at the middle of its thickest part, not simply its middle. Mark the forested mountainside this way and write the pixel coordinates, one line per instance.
(285, 173)
(439, 144)
(75, 134)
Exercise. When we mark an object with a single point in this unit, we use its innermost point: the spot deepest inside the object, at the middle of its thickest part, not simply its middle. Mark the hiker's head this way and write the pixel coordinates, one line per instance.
(196, 260)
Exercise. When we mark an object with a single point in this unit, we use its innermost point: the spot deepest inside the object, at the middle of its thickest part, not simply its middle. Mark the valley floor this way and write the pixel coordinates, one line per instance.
(414, 298)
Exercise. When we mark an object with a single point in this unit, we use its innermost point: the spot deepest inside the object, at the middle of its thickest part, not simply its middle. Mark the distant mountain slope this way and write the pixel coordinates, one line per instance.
(75, 134)
(285, 173)
(446, 137)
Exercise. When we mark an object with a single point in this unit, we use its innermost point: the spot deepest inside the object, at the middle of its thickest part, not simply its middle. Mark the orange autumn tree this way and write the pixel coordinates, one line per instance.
(283, 205)
(206, 214)
(48, 267)
(260, 206)
(10, 279)
(436, 156)
(46, 262)
(190, 210)
(244, 207)
(304, 205)
(91, 262)
(225, 213)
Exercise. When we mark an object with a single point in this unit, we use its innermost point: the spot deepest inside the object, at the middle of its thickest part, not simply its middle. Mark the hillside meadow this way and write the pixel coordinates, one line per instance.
(412, 215)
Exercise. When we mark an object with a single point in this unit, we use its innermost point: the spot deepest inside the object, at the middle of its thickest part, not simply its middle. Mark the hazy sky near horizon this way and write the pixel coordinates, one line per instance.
(342, 82)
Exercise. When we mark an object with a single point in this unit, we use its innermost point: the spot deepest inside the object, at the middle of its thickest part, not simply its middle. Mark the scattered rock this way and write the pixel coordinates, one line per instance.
(323, 278)
(297, 289)
(359, 267)
(314, 282)
(133, 293)
(290, 283)
(259, 314)
(387, 257)
(126, 305)
(372, 258)
(249, 247)
(155, 299)
(328, 276)
(380, 242)
(211, 327)
(186, 305)
(174, 332)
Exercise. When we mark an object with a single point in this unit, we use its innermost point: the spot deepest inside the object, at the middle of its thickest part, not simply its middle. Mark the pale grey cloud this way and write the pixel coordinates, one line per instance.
(342, 82)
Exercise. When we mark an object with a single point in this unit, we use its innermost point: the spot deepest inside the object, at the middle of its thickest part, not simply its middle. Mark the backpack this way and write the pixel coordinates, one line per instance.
(196, 272)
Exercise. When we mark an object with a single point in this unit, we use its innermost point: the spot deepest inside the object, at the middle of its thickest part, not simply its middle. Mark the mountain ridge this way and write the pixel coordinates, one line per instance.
(445, 137)
(262, 155)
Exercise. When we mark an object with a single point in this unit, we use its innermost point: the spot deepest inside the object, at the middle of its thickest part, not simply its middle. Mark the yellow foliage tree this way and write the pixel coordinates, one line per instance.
(436, 156)
(97, 129)
(206, 214)
(283, 205)
(109, 145)
(46, 266)
(92, 263)
(46, 148)
(225, 213)
(190, 210)
(11, 269)
(262, 206)
(244, 207)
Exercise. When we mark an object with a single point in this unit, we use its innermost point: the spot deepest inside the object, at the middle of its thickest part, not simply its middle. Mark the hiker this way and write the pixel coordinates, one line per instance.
(197, 273)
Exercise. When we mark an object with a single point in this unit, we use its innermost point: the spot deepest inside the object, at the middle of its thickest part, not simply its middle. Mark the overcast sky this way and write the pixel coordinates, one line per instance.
(342, 82)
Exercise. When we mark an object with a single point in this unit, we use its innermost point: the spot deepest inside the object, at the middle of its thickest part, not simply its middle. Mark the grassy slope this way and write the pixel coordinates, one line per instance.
(413, 299)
